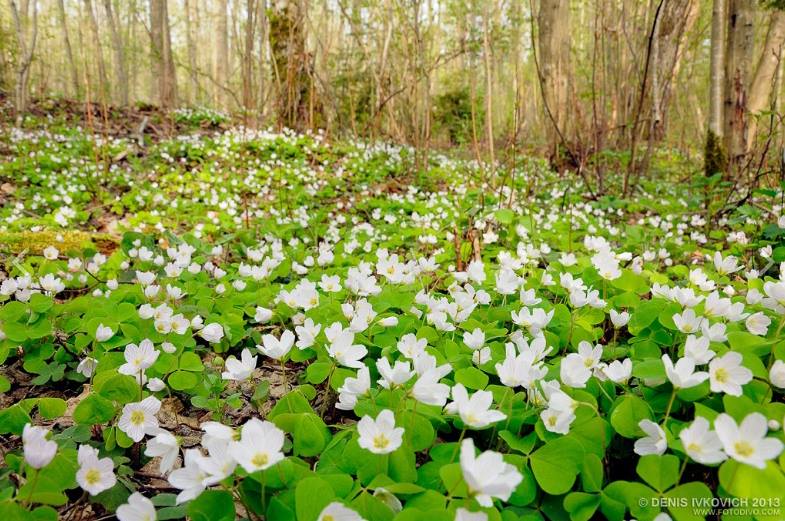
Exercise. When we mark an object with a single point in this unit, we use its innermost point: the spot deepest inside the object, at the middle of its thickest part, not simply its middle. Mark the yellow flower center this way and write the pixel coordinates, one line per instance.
(260, 459)
(588, 362)
(694, 447)
(721, 375)
(92, 476)
(137, 417)
(381, 441)
(328, 517)
(744, 449)
(552, 421)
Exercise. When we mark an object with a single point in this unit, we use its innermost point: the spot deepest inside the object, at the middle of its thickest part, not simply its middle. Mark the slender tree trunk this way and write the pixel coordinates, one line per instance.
(68, 50)
(486, 46)
(103, 80)
(264, 44)
(554, 55)
(26, 50)
(714, 158)
(222, 53)
(250, 29)
(121, 72)
(161, 52)
(738, 58)
(763, 81)
(191, 47)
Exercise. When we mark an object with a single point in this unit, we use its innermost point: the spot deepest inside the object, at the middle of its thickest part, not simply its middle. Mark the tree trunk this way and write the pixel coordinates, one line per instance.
(263, 46)
(250, 29)
(26, 49)
(222, 53)
(161, 50)
(191, 46)
(68, 50)
(103, 81)
(120, 71)
(738, 57)
(763, 81)
(554, 52)
(714, 158)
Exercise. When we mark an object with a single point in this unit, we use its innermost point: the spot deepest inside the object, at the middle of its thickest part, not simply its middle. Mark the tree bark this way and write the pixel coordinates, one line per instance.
(161, 51)
(763, 81)
(103, 81)
(68, 50)
(222, 53)
(26, 50)
(738, 57)
(120, 70)
(714, 158)
(250, 29)
(554, 54)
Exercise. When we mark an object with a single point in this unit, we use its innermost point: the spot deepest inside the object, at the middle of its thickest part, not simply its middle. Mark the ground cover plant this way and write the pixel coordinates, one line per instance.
(272, 325)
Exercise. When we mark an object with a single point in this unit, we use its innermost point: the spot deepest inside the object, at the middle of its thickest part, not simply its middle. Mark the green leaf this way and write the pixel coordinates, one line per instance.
(51, 408)
(471, 378)
(318, 372)
(212, 505)
(183, 380)
(311, 496)
(190, 361)
(627, 413)
(686, 501)
(661, 472)
(555, 464)
(745, 481)
(591, 473)
(94, 410)
(13, 419)
(311, 435)
(581, 506)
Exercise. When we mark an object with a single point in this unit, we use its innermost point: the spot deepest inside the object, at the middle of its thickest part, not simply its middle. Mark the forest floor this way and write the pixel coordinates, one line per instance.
(212, 276)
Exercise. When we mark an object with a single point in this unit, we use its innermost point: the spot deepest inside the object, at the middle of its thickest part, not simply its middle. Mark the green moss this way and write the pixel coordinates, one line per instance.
(714, 159)
(65, 241)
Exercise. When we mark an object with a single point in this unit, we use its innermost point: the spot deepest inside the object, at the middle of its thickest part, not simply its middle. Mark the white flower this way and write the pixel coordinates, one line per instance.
(259, 447)
(618, 372)
(138, 418)
(727, 375)
(727, 265)
(51, 253)
(619, 319)
(86, 366)
(464, 515)
(103, 333)
(427, 388)
(688, 321)
(94, 475)
(338, 512)
(352, 388)
(697, 348)
(190, 478)
(306, 333)
(212, 332)
(343, 348)
(475, 340)
(758, 323)
(239, 369)
(557, 421)
(138, 508)
(394, 376)
(573, 371)
(38, 450)
(747, 443)
(380, 436)
(410, 346)
(165, 446)
(777, 374)
(487, 476)
(701, 443)
(263, 315)
(138, 358)
(655, 441)
(475, 410)
(277, 348)
(683, 375)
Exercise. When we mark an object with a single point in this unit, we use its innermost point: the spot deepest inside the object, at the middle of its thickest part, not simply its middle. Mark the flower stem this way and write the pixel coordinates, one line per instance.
(670, 405)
